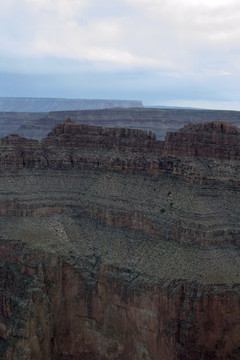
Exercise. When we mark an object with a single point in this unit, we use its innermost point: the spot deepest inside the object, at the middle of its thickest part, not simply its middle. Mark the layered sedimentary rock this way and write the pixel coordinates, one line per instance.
(203, 153)
(37, 126)
(205, 140)
(63, 309)
(115, 246)
(74, 135)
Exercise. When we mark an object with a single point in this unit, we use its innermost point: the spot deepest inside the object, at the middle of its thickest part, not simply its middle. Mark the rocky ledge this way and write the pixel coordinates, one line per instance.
(116, 246)
(207, 140)
(204, 152)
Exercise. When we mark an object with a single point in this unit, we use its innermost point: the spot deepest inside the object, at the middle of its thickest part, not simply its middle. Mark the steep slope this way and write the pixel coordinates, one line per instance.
(114, 246)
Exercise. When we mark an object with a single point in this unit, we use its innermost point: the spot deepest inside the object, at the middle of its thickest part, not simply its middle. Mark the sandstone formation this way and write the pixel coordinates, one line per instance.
(115, 245)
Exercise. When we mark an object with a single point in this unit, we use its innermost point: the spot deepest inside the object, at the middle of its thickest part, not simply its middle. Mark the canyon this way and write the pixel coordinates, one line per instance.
(115, 244)
(160, 121)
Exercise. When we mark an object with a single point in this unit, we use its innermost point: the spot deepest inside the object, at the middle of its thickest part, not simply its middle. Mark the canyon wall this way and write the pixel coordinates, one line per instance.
(206, 140)
(60, 312)
(203, 153)
(114, 245)
(159, 121)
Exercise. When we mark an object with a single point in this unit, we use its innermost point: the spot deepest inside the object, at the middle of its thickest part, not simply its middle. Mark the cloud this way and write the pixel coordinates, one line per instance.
(161, 42)
(61, 28)
(64, 9)
(152, 33)
(191, 26)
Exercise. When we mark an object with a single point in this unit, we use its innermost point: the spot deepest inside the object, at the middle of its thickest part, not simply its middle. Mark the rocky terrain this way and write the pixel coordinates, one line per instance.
(51, 104)
(11, 121)
(117, 245)
(159, 121)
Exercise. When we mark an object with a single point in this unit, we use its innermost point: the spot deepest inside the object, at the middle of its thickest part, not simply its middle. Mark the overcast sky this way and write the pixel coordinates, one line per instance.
(164, 52)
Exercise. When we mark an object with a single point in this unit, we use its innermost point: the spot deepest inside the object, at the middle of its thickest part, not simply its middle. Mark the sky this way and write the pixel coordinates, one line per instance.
(163, 52)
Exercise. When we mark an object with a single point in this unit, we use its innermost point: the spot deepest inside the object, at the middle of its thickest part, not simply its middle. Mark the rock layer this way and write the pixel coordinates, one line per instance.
(206, 140)
(114, 246)
(203, 153)
(64, 315)
(37, 126)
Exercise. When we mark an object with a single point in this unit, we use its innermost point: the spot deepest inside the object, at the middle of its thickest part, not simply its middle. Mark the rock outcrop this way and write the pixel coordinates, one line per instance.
(159, 121)
(205, 140)
(204, 153)
(59, 312)
(117, 246)
(70, 134)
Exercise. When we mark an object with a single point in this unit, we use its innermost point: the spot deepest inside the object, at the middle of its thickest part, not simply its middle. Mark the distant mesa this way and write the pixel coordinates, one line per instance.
(159, 121)
(57, 104)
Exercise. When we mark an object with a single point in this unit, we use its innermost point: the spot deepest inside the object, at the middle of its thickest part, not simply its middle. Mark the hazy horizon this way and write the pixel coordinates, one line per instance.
(165, 53)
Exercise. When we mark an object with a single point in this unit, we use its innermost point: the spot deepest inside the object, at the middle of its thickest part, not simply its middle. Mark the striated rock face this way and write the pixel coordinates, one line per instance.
(113, 246)
(64, 313)
(203, 153)
(70, 134)
(206, 140)
(157, 120)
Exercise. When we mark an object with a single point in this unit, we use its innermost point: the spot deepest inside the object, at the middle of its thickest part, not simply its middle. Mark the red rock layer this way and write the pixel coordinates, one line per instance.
(70, 134)
(203, 153)
(64, 315)
(206, 140)
(203, 140)
(82, 308)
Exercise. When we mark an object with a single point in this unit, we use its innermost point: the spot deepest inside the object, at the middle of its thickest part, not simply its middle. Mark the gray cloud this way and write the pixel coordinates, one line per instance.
(175, 50)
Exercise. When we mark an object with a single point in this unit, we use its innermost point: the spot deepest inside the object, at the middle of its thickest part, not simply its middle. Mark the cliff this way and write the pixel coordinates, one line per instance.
(159, 121)
(206, 140)
(114, 246)
(201, 153)
(91, 310)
